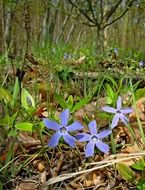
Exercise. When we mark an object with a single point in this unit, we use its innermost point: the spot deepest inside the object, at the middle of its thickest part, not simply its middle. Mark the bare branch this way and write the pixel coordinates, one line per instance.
(92, 12)
(123, 13)
(82, 11)
(101, 10)
(112, 10)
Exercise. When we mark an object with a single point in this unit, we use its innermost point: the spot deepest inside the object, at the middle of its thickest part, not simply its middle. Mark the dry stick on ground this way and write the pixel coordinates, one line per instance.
(107, 162)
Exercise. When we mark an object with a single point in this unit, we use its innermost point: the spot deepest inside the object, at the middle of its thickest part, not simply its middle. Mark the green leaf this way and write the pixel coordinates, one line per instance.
(141, 184)
(110, 91)
(80, 104)
(27, 100)
(16, 90)
(139, 93)
(125, 172)
(112, 80)
(109, 100)
(1, 186)
(12, 133)
(140, 165)
(70, 102)
(5, 95)
(24, 126)
(60, 100)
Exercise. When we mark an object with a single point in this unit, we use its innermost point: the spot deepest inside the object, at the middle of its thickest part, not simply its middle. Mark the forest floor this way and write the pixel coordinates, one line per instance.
(26, 160)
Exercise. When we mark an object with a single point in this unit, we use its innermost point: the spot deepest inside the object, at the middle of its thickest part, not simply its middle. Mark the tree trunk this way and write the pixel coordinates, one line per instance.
(62, 28)
(45, 27)
(1, 28)
(70, 33)
(124, 42)
(7, 33)
(100, 40)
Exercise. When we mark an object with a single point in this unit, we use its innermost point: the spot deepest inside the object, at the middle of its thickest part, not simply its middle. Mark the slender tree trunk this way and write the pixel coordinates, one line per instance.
(70, 33)
(105, 42)
(78, 39)
(45, 27)
(100, 40)
(62, 28)
(1, 28)
(124, 40)
(7, 32)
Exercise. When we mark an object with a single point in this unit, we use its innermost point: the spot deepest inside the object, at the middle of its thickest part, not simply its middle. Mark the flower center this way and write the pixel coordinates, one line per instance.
(63, 130)
(118, 111)
(94, 138)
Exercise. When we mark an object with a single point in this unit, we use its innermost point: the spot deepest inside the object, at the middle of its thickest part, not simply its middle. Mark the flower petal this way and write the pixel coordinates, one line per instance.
(124, 119)
(83, 137)
(119, 103)
(70, 140)
(75, 126)
(93, 127)
(115, 121)
(53, 142)
(89, 149)
(109, 109)
(64, 116)
(51, 124)
(104, 133)
(126, 110)
(103, 147)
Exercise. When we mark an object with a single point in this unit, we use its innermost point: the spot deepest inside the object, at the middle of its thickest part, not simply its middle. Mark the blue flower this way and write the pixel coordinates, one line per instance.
(67, 56)
(62, 129)
(94, 139)
(141, 63)
(116, 50)
(120, 113)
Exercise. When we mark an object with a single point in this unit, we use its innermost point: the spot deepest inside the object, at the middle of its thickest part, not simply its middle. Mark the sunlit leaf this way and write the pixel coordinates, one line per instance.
(70, 102)
(24, 126)
(27, 100)
(139, 93)
(125, 172)
(5, 95)
(140, 165)
(16, 90)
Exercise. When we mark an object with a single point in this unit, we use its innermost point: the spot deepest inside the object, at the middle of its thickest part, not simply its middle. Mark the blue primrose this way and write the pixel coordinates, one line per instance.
(94, 139)
(62, 129)
(120, 113)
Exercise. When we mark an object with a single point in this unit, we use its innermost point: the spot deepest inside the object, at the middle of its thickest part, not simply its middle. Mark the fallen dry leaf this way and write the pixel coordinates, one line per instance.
(27, 185)
(94, 178)
(140, 105)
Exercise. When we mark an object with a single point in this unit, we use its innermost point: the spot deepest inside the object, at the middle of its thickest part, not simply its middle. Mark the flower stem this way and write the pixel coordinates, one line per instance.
(132, 132)
(113, 146)
(137, 114)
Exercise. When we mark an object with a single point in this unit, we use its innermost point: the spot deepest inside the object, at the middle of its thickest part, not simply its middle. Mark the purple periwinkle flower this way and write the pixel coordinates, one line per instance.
(67, 56)
(94, 139)
(120, 113)
(141, 63)
(62, 129)
(116, 50)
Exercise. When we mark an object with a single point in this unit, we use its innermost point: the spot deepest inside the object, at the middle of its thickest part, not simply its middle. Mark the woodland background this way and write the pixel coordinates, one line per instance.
(96, 24)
